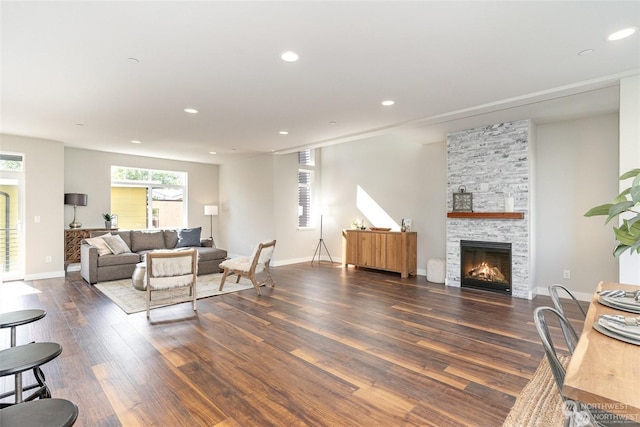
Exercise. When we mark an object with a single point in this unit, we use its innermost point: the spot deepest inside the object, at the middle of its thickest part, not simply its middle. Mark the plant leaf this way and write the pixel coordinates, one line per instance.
(619, 250)
(618, 208)
(623, 236)
(599, 210)
(630, 174)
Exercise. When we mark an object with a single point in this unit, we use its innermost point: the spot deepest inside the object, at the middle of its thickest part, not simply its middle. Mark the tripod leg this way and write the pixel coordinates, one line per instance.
(325, 248)
(317, 252)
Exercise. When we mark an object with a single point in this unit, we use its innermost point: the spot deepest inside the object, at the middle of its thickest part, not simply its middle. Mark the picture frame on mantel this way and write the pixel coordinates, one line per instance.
(114, 221)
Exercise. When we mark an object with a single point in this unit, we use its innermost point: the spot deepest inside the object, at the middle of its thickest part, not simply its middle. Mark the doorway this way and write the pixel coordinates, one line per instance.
(11, 216)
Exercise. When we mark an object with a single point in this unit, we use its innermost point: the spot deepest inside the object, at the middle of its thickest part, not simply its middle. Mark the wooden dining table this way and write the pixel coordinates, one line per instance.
(605, 372)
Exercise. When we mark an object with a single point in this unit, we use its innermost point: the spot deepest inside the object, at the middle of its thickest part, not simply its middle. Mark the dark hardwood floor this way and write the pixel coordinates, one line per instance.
(327, 346)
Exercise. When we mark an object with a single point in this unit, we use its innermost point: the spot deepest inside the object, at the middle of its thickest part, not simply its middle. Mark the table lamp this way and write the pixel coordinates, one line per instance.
(75, 199)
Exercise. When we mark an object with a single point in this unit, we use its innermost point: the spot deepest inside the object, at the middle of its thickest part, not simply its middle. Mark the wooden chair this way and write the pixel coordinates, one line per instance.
(168, 270)
(250, 266)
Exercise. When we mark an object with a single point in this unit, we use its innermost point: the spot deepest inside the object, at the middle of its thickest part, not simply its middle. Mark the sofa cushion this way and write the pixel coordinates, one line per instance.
(99, 242)
(188, 237)
(122, 259)
(116, 244)
(146, 240)
(170, 238)
(209, 254)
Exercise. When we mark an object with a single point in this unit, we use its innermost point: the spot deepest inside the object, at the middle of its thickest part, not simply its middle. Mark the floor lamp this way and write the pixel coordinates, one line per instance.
(321, 243)
(211, 210)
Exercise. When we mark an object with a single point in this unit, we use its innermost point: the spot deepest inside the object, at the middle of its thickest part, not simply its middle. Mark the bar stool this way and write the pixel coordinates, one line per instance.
(16, 360)
(13, 319)
(47, 412)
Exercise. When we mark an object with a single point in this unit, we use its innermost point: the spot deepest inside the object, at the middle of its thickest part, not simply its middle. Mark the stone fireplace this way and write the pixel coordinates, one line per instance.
(493, 162)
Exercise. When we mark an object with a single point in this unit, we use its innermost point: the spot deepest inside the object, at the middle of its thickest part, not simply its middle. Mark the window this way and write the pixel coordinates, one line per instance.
(145, 198)
(11, 162)
(305, 187)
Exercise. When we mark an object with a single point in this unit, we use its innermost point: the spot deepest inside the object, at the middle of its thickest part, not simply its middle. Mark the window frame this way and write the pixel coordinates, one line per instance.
(151, 185)
(306, 165)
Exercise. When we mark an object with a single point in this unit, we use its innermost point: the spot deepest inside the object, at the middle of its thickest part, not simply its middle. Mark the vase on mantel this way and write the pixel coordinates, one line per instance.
(107, 225)
(508, 203)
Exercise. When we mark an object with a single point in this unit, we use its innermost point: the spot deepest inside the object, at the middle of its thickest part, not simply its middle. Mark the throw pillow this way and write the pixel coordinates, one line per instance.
(189, 237)
(99, 243)
(117, 245)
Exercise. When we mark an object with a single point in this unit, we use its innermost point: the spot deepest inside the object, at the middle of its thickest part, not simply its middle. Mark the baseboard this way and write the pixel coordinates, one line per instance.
(580, 296)
(45, 275)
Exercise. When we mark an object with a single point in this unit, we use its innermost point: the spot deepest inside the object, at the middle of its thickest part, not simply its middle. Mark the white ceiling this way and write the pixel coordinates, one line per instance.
(449, 65)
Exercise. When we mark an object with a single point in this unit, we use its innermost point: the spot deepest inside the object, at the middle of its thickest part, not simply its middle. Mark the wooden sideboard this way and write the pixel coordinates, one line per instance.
(381, 250)
(73, 239)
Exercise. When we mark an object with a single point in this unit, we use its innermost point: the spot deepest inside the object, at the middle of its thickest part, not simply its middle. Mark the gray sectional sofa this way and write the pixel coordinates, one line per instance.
(118, 261)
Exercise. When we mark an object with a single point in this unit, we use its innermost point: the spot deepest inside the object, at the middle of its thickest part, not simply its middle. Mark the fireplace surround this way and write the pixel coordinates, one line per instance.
(493, 161)
(485, 265)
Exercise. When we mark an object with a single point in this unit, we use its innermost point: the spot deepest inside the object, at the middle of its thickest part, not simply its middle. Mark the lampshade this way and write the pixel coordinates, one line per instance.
(210, 209)
(75, 199)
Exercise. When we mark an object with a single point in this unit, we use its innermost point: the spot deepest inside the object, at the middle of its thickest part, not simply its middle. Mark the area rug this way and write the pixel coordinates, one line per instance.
(131, 300)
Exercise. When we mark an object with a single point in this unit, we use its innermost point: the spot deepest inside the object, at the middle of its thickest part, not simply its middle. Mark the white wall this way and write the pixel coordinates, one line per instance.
(576, 170)
(407, 180)
(629, 159)
(89, 172)
(247, 205)
(44, 195)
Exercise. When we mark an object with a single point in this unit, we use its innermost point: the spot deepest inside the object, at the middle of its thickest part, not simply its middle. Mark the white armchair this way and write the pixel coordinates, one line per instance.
(250, 266)
(168, 270)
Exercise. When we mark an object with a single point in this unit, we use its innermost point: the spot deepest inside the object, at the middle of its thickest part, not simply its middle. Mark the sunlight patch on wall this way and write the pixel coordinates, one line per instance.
(373, 212)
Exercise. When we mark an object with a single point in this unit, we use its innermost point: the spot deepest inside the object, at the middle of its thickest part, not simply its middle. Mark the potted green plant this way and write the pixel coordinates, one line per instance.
(107, 219)
(628, 201)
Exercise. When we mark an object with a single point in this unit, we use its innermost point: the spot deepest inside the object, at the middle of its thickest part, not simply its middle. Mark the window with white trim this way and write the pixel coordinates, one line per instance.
(305, 187)
(146, 198)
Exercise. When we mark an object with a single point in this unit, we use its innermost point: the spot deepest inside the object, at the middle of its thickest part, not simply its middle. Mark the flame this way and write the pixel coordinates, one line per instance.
(484, 271)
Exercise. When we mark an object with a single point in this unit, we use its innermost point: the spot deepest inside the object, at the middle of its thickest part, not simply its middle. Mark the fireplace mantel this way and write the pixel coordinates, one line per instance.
(486, 215)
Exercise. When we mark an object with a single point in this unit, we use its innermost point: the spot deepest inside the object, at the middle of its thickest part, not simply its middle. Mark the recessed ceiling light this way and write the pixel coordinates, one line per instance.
(388, 103)
(191, 110)
(290, 56)
(135, 141)
(133, 60)
(622, 34)
(79, 124)
(333, 122)
(585, 52)
(212, 152)
(284, 132)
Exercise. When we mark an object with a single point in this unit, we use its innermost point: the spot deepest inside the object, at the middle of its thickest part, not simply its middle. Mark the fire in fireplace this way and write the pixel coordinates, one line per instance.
(485, 265)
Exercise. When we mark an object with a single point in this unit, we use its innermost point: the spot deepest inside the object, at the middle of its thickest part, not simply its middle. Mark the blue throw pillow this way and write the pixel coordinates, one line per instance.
(189, 237)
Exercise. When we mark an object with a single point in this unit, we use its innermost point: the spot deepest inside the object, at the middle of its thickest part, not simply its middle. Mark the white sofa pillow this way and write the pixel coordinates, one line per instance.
(99, 243)
(116, 245)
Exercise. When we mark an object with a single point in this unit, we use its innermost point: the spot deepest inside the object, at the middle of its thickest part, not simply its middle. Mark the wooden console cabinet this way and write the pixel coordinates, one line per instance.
(381, 250)
(73, 238)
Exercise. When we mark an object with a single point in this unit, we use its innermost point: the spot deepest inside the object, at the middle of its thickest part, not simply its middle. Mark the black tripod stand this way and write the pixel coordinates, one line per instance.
(320, 245)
